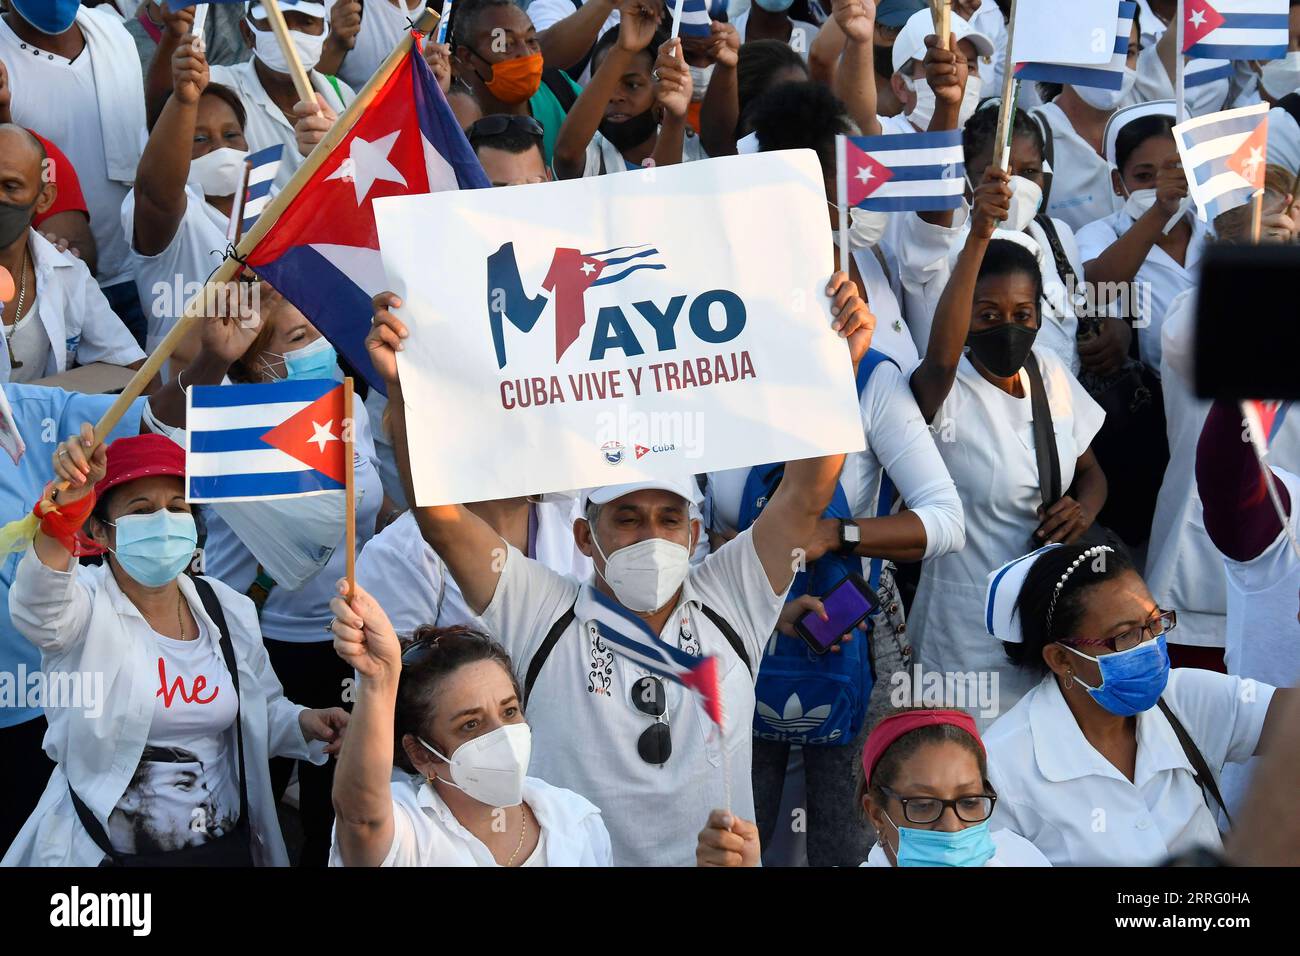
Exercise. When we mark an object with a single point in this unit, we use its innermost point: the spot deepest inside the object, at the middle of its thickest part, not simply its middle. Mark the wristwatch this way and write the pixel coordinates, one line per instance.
(850, 536)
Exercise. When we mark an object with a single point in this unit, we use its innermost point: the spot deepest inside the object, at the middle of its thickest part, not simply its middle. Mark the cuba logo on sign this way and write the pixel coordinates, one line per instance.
(572, 273)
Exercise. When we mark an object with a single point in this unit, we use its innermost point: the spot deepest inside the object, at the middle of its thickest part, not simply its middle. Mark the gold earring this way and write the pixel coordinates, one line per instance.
(1069, 679)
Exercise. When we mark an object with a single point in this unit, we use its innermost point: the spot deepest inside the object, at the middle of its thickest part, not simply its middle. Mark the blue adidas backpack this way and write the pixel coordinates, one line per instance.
(804, 698)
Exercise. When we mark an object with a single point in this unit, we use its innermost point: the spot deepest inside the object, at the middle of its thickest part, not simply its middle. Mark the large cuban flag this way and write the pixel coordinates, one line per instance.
(322, 254)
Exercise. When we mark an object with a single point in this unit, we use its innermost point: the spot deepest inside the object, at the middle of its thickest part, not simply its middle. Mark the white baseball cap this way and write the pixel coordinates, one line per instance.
(685, 487)
(910, 42)
(258, 12)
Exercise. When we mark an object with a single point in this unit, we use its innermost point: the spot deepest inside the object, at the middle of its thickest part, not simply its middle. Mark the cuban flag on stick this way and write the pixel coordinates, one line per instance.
(629, 636)
(903, 172)
(1236, 29)
(695, 20)
(322, 253)
(262, 168)
(275, 440)
(1224, 155)
(1109, 76)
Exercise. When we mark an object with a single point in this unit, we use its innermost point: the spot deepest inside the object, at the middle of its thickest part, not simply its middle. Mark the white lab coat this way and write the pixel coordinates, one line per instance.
(81, 326)
(1081, 183)
(82, 622)
(1058, 792)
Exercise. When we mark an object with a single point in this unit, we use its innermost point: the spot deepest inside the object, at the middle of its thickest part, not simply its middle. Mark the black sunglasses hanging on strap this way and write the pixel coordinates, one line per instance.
(232, 849)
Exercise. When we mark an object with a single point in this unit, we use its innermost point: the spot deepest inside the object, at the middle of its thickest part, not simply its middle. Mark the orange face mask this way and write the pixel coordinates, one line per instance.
(514, 81)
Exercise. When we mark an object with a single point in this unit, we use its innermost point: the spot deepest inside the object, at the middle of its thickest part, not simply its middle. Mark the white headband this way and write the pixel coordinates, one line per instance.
(1121, 118)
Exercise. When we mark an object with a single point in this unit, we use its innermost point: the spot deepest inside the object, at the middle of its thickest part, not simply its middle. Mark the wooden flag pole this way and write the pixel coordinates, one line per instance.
(349, 487)
(1180, 70)
(231, 267)
(944, 22)
(301, 82)
(1256, 216)
(1007, 109)
(842, 200)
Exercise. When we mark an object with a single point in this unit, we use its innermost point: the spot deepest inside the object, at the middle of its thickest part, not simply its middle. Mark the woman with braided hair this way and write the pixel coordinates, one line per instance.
(1113, 758)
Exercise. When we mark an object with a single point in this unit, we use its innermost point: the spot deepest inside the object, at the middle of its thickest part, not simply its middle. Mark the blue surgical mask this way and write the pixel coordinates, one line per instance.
(969, 847)
(1131, 681)
(317, 360)
(775, 6)
(51, 17)
(155, 548)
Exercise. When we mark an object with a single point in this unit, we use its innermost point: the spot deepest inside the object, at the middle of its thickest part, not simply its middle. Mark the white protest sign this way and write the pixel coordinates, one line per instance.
(1079, 32)
(639, 325)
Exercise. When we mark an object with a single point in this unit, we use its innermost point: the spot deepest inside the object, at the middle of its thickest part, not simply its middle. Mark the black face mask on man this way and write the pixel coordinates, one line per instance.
(630, 132)
(14, 221)
(1003, 349)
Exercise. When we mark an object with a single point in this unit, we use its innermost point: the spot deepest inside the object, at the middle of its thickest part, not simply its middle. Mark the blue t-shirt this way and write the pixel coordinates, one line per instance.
(44, 416)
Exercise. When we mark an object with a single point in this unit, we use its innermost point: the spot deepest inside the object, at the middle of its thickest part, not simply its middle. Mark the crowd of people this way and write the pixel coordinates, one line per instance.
(1079, 560)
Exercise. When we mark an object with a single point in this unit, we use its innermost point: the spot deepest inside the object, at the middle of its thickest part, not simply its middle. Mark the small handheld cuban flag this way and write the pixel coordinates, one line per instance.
(1109, 76)
(262, 168)
(629, 636)
(903, 172)
(1236, 29)
(695, 19)
(1224, 156)
(275, 440)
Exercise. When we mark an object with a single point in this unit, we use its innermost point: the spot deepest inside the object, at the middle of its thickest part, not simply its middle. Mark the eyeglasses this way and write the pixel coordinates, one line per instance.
(424, 648)
(973, 809)
(1165, 622)
(655, 745)
(498, 123)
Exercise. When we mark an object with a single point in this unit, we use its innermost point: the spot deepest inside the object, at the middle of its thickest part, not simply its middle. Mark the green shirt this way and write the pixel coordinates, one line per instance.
(546, 109)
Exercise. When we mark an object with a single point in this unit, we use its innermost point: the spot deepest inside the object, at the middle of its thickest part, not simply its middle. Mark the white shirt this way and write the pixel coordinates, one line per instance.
(1263, 633)
(986, 439)
(1059, 793)
(195, 250)
(801, 33)
(78, 321)
(1283, 140)
(989, 21)
(1081, 181)
(83, 624)
(547, 13)
(898, 444)
(891, 336)
(411, 583)
(60, 99)
(1009, 849)
(382, 25)
(585, 728)
(426, 833)
(28, 344)
(300, 616)
(603, 157)
(267, 125)
(1158, 279)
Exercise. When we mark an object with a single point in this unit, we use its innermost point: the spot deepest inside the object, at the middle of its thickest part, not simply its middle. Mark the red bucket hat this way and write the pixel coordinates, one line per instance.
(139, 457)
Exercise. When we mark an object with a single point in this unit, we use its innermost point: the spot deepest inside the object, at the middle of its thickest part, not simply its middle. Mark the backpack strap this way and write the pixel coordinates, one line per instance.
(1200, 769)
(544, 650)
(1049, 462)
(558, 84)
(729, 633)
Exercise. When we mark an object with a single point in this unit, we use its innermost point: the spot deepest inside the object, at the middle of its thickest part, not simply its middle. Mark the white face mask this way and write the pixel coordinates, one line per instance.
(1139, 201)
(1280, 77)
(1107, 100)
(866, 228)
(218, 173)
(700, 76)
(1026, 198)
(923, 112)
(491, 768)
(267, 48)
(645, 576)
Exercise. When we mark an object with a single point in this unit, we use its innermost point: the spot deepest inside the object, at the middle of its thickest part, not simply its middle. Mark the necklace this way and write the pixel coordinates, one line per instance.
(180, 619)
(523, 829)
(18, 312)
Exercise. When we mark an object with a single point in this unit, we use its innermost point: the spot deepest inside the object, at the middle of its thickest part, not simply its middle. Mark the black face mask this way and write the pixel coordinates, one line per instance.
(883, 59)
(1004, 349)
(14, 221)
(630, 132)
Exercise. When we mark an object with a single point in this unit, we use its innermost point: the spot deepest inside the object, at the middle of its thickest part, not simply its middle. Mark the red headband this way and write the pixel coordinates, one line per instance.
(891, 728)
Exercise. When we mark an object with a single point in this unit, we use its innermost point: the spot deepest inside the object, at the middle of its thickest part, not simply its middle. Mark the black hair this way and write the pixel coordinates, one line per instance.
(465, 16)
(982, 129)
(898, 753)
(1138, 132)
(512, 140)
(1005, 257)
(1035, 598)
(759, 62)
(450, 648)
(610, 37)
(798, 116)
(220, 91)
(1049, 91)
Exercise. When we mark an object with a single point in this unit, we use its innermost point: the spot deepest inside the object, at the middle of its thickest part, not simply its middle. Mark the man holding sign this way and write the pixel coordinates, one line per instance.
(594, 715)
